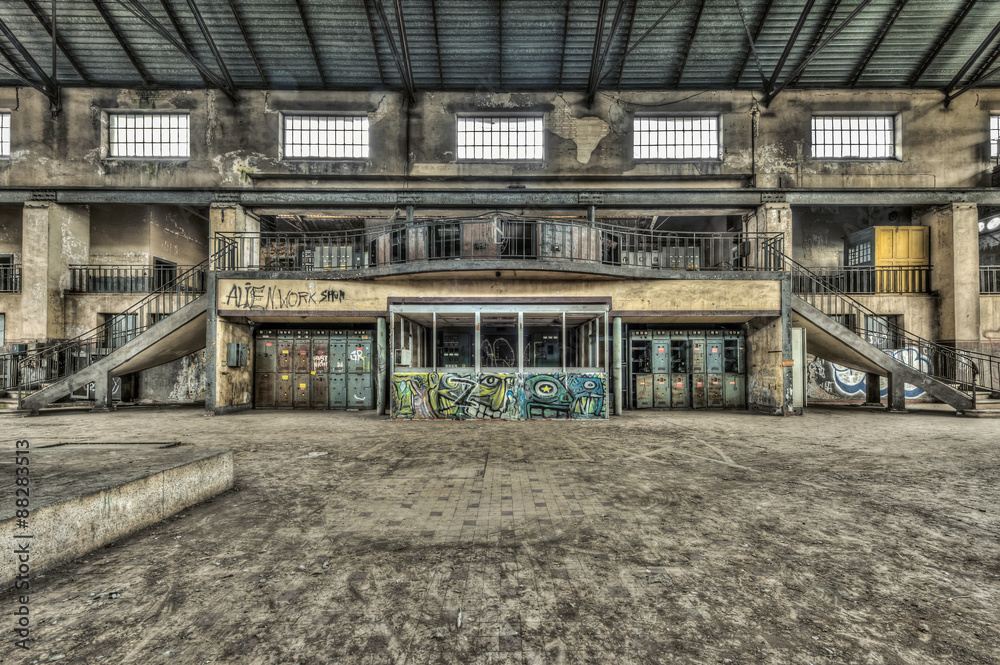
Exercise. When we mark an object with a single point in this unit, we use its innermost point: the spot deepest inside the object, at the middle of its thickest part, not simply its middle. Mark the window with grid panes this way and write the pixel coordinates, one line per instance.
(165, 135)
(488, 138)
(4, 135)
(995, 136)
(853, 137)
(677, 137)
(309, 136)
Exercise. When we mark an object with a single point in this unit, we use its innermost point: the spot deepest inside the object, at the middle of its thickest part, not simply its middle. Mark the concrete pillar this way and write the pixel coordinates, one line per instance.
(616, 355)
(382, 358)
(954, 256)
(230, 217)
(873, 389)
(896, 399)
(773, 218)
(53, 237)
(102, 394)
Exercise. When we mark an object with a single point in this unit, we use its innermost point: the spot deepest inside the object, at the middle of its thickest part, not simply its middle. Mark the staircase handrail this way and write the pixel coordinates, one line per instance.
(100, 333)
(971, 360)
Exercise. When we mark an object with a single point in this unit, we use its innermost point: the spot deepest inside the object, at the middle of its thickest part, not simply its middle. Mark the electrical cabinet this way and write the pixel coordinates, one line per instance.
(678, 391)
(309, 369)
(661, 391)
(643, 391)
(661, 355)
(733, 354)
(265, 390)
(713, 355)
(265, 358)
(699, 391)
(454, 350)
(697, 355)
(715, 383)
(733, 391)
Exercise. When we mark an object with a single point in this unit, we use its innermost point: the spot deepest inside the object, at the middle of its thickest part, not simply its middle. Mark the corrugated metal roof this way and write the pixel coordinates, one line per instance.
(503, 44)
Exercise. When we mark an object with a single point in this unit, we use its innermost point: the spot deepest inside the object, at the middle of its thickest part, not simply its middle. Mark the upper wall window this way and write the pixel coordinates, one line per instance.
(4, 135)
(325, 136)
(995, 136)
(854, 137)
(487, 138)
(676, 137)
(153, 135)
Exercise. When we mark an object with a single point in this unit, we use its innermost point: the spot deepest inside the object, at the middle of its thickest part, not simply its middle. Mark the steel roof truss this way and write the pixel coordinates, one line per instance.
(246, 39)
(400, 65)
(788, 46)
(312, 42)
(690, 43)
(753, 43)
(62, 46)
(886, 27)
(50, 89)
(180, 33)
(941, 42)
(972, 59)
(403, 44)
(207, 34)
(121, 42)
(648, 32)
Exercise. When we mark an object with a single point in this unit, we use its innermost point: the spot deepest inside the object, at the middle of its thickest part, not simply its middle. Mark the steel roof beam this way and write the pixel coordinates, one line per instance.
(628, 38)
(121, 42)
(403, 44)
(788, 45)
(437, 42)
(984, 74)
(312, 42)
(834, 6)
(562, 60)
(595, 54)
(62, 46)
(400, 64)
(371, 31)
(690, 43)
(798, 70)
(941, 42)
(972, 59)
(180, 33)
(886, 27)
(207, 34)
(753, 44)
(16, 72)
(246, 39)
(649, 31)
(50, 89)
(143, 14)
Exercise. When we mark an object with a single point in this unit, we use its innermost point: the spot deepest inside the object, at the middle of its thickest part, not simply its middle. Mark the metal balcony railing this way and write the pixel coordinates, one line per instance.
(965, 370)
(867, 280)
(989, 279)
(499, 237)
(127, 279)
(10, 278)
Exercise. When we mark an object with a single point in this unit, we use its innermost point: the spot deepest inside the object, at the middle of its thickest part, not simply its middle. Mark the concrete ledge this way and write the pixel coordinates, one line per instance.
(84, 496)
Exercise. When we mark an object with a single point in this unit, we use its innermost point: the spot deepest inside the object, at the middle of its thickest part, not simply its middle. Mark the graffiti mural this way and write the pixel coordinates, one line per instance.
(506, 396)
(829, 380)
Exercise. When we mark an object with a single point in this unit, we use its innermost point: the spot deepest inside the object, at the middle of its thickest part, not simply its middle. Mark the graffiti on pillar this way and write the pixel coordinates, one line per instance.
(828, 380)
(507, 396)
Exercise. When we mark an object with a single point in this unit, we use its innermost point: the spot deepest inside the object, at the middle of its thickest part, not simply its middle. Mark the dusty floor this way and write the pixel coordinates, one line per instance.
(841, 537)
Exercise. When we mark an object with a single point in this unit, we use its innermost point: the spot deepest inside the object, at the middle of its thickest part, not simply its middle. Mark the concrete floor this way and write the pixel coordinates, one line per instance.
(844, 536)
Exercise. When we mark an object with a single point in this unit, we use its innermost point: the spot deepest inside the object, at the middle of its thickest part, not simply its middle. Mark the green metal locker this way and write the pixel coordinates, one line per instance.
(661, 391)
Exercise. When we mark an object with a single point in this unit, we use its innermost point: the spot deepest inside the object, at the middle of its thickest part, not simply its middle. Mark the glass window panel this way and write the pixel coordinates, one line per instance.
(677, 137)
(500, 137)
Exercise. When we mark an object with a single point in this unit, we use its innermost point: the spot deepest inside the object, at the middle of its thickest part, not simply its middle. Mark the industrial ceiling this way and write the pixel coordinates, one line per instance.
(412, 46)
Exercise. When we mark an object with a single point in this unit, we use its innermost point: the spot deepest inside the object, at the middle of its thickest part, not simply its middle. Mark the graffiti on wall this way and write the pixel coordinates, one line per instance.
(829, 380)
(506, 396)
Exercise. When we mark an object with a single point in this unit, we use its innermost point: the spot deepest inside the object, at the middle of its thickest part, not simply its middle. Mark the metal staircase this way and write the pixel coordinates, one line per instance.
(54, 372)
(954, 376)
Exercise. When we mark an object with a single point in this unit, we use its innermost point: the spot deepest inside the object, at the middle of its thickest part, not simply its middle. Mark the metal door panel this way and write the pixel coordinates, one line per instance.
(264, 398)
(734, 394)
(715, 391)
(338, 356)
(679, 391)
(714, 355)
(266, 354)
(643, 391)
(302, 389)
(661, 391)
(284, 360)
(283, 390)
(359, 391)
(320, 391)
(699, 391)
(338, 391)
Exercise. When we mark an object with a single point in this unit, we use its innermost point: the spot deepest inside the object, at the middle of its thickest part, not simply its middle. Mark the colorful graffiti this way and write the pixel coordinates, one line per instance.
(829, 380)
(431, 395)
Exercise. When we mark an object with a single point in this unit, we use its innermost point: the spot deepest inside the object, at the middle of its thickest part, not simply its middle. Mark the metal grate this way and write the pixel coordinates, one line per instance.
(4, 134)
(149, 135)
(326, 137)
(681, 137)
(500, 138)
(995, 136)
(853, 137)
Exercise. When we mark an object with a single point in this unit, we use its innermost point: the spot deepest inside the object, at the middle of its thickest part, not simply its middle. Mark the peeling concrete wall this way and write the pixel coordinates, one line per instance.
(818, 232)
(767, 390)
(236, 146)
(119, 235)
(954, 240)
(179, 382)
(177, 235)
(233, 385)
(83, 312)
